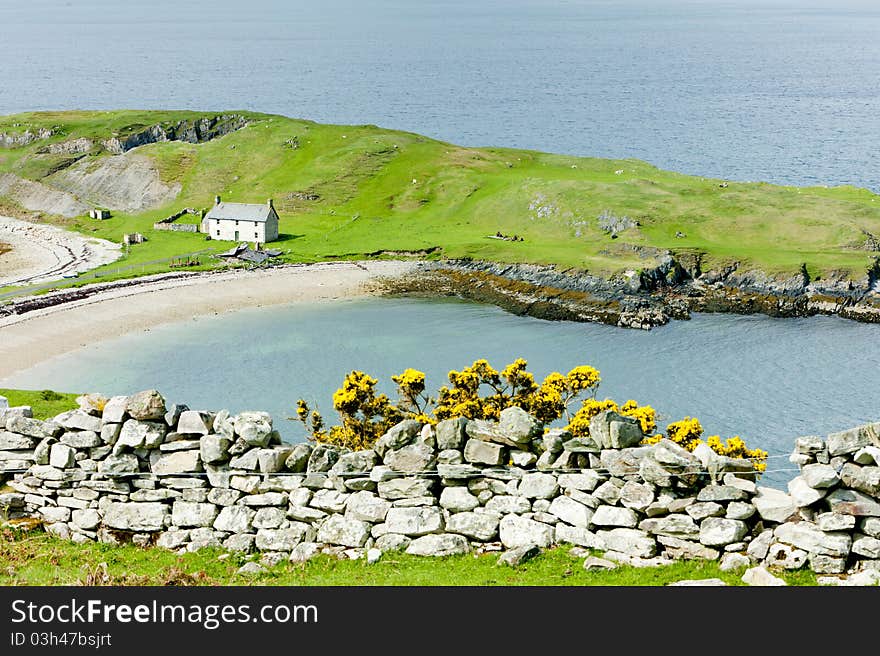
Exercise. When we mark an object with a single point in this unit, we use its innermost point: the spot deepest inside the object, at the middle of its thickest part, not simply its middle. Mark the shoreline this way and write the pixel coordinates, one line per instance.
(43, 333)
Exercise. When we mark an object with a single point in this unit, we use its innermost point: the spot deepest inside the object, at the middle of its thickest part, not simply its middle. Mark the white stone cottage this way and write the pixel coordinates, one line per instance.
(241, 222)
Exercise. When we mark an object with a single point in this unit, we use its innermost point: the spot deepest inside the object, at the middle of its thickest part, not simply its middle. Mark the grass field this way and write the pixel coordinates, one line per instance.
(44, 403)
(351, 191)
(36, 558)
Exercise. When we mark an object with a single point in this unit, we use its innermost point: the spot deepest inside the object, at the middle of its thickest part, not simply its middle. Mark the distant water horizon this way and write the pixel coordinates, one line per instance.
(777, 91)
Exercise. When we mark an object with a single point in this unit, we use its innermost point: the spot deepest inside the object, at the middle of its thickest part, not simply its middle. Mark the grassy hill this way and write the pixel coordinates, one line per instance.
(350, 191)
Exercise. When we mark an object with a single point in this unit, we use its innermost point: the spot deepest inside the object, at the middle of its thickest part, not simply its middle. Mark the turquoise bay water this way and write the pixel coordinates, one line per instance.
(768, 380)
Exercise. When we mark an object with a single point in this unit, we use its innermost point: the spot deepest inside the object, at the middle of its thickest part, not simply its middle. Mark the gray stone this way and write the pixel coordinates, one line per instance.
(505, 504)
(147, 405)
(81, 439)
(110, 433)
(675, 525)
(807, 536)
(188, 515)
(822, 564)
(404, 488)
(367, 507)
(451, 433)
(831, 521)
(740, 510)
(305, 514)
(607, 492)
(240, 542)
(329, 500)
(414, 522)
(298, 459)
(214, 448)
(759, 576)
(774, 505)
(61, 456)
(13, 442)
(538, 486)
(255, 428)
(458, 472)
(869, 455)
(192, 422)
(356, 462)
(636, 496)
(411, 458)
(786, 556)
(698, 583)
(681, 549)
(282, 539)
(516, 531)
(55, 514)
(446, 544)
(586, 480)
(851, 502)
(458, 499)
(489, 431)
(759, 546)
(32, 427)
(719, 531)
(819, 476)
(247, 461)
(140, 517)
(702, 509)
(571, 512)
(863, 479)
(595, 564)
(79, 421)
(176, 462)
(850, 441)
(610, 430)
(162, 494)
(523, 459)
(722, 493)
(392, 542)
(518, 425)
(114, 410)
(580, 445)
(266, 499)
(304, 552)
(563, 533)
(488, 453)
(450, 457)
(271, 460)
(322, 458)
(871, 526)
(398, 436)
(516, 557)
(344, 531)
(251, 569)
(235, 519)
(615, 516)
(59, 530)
(140, 435)
(652, 472)
(865, 545)
(269, 517)
(478, 526)
(173, 443)
(802, 494)
(629, 541)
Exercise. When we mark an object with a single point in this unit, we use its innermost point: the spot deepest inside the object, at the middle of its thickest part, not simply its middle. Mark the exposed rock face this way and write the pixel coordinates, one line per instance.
(197, 131)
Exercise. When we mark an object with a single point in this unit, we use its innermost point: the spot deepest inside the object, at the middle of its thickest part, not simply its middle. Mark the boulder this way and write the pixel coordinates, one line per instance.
(61, 456)
(852, 502)
(629, 541)
(223, 496)
(81, 439)
(304, 552)
(487, 453)
(866, 546)
(580, 445)
(636, 496)
(802, 494)
(137, 434)
(398, 436)
(414, 522)
(267, 499)
(774, 505)
(863, 479)
(176, 462)
(124, 463)
(759, 576)
(489, 431)
(224, 425)
(255, 428)
(189, 514)
(392, 542)
(450, 433)
(722, 493)
(819, 476)
(615, 516)
(565, 534)
(850, 441)
(786, 556)
(282, 539)
(516, 531)
(32, 427)
(831, 521)
(115, 410)
(411, 458)
(807, 536)
(356, 462)
(13, 442)
(518, 425)
(505, 504)
(458, 499)
(675, 525)
(869, 455)
(611, 430)
(78, 420)
(570, 511)
(538, 486)
(445, 544)
(235, 519)
(366, 506)
(344, 531)
(585, 481)
(194, 422)
(240, 542)
(720, 531)
(681, 549)
(478, 526)
(87, 519)
(702, 509)
(516, 557)
(522, 459)
(271, 460)
(214, 448)
(322, 458)
(139, 517)
(148, 405)
(298, 459)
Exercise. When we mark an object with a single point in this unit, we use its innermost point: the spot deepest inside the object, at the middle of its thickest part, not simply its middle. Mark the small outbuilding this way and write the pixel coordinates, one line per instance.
(241, 222)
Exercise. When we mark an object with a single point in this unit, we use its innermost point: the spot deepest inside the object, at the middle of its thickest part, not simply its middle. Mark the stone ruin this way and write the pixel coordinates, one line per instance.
(133, 469)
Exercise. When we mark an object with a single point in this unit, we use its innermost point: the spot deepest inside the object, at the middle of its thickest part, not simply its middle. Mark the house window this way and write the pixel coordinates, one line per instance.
(255, 224)
(218, 232)
(236, 222)
(256, 235)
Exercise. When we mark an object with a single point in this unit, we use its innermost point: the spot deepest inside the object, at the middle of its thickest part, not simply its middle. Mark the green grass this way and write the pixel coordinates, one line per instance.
(346, 191)
(44, 403)
(36, 558)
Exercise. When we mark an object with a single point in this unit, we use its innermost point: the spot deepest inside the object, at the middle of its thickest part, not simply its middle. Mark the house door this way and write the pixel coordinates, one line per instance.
(236, 235)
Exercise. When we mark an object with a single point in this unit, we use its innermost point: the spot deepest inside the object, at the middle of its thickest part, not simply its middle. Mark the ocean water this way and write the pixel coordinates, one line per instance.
(767, 380)
(785, 91)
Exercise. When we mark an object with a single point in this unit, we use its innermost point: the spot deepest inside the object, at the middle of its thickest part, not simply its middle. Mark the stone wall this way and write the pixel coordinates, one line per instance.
(134, 469)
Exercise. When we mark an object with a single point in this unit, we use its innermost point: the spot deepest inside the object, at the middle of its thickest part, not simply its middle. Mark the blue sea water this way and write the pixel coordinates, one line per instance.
(785, 91)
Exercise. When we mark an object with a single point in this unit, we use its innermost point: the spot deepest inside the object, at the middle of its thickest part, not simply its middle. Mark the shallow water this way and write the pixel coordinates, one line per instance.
(768, 380)
(777, 90)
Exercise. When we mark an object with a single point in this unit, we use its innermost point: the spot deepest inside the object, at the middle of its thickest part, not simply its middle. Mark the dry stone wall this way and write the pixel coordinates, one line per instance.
(135, 469)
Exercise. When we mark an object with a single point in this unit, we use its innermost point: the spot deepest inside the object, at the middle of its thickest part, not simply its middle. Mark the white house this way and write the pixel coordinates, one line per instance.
(241, 222)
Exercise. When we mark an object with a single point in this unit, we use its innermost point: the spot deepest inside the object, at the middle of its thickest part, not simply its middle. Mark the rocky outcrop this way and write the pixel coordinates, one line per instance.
(26, 138)
(190, 131)
(133, 468)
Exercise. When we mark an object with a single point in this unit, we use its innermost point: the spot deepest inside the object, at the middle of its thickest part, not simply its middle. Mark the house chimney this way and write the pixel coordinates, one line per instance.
(216, 200)
(269, 204)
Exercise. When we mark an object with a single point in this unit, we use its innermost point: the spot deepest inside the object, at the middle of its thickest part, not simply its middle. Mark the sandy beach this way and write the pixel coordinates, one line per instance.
(41, 252)
(28, 339)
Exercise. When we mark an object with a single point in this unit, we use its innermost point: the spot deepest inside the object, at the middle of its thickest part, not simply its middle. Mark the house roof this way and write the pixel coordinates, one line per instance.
(259, 212)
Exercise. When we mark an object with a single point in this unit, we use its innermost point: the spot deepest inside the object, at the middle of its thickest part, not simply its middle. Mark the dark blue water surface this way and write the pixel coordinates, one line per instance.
(779, 90)
(767, 380)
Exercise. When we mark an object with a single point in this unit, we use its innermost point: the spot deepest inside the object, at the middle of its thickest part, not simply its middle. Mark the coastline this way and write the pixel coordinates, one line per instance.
(40, 334)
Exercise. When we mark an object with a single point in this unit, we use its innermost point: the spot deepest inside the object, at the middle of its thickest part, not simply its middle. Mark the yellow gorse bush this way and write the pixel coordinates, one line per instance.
(481, 392)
